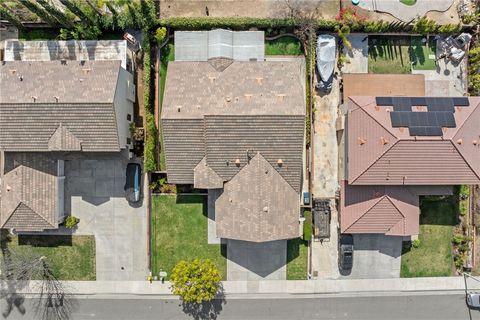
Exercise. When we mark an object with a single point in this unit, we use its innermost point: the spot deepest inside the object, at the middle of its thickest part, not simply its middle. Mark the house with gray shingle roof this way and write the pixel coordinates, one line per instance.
(48, 108)
(239, 129)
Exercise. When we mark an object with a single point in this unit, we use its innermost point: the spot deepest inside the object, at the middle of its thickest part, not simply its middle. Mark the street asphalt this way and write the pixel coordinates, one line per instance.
(405, 307)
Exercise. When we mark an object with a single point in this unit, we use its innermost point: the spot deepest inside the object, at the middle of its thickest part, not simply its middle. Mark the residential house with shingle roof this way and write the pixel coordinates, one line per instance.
(48, 108)
(239, 128)
(399, 148)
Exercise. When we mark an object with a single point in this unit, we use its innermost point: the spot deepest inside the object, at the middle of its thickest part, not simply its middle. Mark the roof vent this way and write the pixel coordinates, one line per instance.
(34, 98)
(388, 110)
(56, 98)
(377, 108)
(63, 62)
(259, 80)
(9, 188)
(361, 141)
(475, 142)
(211, 78)
(20, 77)
(86, 70)
(265, 209)
(281, 96)
(237, 162)
(179, 108)
(385, 141)
(460, 141)
(248, 96)
(228, 99)
(13, 71)
(81, 79)
(280, 162)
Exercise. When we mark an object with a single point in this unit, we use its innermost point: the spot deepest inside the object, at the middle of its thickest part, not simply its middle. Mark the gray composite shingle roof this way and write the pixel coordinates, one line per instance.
(257, 205)
(29, 192)
(83, 118)
(255, 106)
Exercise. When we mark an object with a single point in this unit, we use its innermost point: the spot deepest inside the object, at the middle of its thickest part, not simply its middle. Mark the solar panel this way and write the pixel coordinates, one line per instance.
(450, 120)
(425, 131)
(461, 101)
(432, 119)
(418, 101)
(401, 104)
(396, 121)
(383, 101)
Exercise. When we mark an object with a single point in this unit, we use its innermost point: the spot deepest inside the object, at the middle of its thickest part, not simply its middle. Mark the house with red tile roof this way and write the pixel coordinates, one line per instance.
(398, 148)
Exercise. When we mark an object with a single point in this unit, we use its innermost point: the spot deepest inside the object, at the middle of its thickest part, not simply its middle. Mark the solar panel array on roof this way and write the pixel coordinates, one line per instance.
(439, 113)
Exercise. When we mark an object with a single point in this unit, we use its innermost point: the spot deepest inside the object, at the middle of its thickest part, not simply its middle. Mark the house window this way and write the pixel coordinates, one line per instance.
(129, 141)
(129, 117)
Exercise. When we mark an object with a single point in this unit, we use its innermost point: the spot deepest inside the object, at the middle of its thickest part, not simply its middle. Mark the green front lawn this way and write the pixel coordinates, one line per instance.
(408, 2)
(423, 54)
(297, 251)
(284, 46)
(167, 54)
(70, 257)
(179, 232)
(389, 55)
(433, 258)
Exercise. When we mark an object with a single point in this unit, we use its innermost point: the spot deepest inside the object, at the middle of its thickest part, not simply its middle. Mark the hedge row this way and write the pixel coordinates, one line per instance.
(238, 23)
(149, 156)
(271, 25)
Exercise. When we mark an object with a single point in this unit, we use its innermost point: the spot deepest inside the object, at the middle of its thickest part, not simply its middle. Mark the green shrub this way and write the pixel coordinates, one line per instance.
(424, 26)
(416, 243)
(71, 222)
(307, 225)
(449, 28)
(150, 163)
(160, 34)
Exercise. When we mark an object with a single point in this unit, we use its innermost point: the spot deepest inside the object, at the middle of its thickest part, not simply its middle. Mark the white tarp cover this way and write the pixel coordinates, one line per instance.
(70, 50)
(204, 45)
(326, 51)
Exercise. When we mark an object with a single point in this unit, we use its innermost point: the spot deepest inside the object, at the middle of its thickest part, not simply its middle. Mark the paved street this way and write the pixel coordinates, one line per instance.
(418, 307)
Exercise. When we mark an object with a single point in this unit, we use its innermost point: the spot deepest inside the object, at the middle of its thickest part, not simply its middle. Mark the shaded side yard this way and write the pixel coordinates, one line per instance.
(167, 54)
(297, 250)
(389, 55)
(179, 232)
(433, 257)
(283, 46)
(70, 257)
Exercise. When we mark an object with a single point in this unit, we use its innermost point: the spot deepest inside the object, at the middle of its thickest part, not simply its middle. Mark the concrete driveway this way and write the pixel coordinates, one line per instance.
(376, 256)
(248, 261)
(94, 193)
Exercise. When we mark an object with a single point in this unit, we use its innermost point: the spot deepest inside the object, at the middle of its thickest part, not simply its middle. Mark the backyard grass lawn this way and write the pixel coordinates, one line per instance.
(297, 259)
(389, 55)
(179, 232)
(70, 257)
(433, 258)
(284, 46)
(421, 53)
(167, 54)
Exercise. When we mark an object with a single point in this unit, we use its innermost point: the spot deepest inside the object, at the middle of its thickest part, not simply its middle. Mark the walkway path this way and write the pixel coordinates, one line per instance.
(404, 12)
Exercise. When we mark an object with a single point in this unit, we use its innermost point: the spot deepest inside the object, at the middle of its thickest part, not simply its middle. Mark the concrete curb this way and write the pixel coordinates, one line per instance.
(271, 287)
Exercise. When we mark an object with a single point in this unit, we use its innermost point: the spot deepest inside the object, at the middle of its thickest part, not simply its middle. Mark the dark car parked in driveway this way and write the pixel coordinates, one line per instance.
(133, 182)
(345, 253)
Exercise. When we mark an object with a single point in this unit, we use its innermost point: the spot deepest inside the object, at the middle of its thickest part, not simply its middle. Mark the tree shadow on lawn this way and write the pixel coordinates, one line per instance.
(206, 310)
(45, 240)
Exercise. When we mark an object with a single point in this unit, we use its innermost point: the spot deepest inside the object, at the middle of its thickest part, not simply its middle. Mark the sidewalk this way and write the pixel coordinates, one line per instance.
(358, 286)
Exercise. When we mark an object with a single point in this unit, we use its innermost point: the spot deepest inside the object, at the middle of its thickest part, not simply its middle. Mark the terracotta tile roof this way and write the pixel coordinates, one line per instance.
(380, 154)
(257, 205)
(390, 210)
(29, 192)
